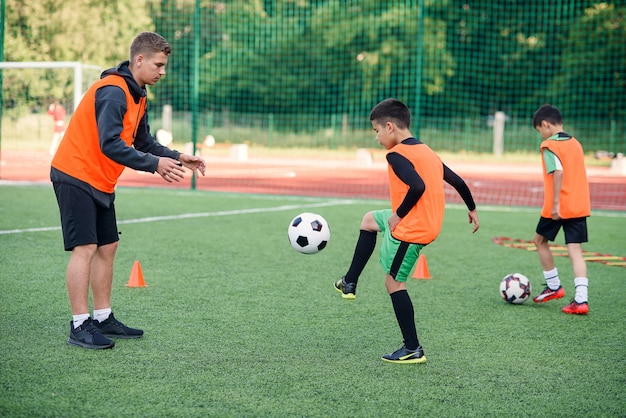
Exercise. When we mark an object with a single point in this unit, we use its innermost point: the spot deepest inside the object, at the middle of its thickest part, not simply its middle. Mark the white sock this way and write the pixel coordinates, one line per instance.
(582, 286)
(101, 315)
(552, 278)
(78, 320)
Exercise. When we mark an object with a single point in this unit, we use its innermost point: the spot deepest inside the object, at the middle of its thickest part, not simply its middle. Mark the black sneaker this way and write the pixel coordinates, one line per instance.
(404, 355)
(88, 336)
(111, 327)
(347, 290)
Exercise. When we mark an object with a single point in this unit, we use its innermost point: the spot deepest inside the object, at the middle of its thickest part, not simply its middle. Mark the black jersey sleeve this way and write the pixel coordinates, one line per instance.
(406, 172)
(145, 142)
(110, 111)
(460, 186)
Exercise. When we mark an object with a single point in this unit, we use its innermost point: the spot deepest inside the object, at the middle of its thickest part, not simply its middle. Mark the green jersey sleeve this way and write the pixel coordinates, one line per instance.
(552, 161)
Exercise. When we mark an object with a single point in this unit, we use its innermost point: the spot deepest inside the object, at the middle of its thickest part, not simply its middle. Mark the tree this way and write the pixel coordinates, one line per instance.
(87, 31)
(323, 57)
(174, 20)
(594, 83)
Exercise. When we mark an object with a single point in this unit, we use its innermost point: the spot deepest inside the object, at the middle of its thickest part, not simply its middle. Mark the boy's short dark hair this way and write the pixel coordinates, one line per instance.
(148, 44)
(548, 113)
(391, 110)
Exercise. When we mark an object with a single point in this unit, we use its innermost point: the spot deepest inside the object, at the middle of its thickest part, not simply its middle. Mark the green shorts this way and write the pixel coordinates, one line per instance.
(396, 257)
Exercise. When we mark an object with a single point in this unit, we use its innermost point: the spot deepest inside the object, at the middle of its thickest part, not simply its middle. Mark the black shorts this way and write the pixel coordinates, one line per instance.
(575, 229)
(84, 221)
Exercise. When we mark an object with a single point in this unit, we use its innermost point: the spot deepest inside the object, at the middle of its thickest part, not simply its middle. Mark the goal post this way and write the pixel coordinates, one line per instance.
(78, 68)
(28, 87)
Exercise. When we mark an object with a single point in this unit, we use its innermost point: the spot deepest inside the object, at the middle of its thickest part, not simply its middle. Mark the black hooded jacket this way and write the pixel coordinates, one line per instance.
(110, 110)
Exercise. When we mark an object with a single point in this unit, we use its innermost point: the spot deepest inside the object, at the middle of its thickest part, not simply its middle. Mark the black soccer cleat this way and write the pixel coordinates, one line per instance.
(113, 328)
(88, 336)
(404, 355)
(347, 290)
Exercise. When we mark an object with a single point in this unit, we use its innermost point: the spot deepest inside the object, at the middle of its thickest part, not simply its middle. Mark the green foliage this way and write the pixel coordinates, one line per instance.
(239, 324)
(344, 58)
(47, 30)
(601, 71)
(174, 20)
(292, 66)
(91, 32)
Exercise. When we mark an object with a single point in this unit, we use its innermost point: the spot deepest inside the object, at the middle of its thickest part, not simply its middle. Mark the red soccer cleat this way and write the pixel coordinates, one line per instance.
(576, 308)
(549, 294)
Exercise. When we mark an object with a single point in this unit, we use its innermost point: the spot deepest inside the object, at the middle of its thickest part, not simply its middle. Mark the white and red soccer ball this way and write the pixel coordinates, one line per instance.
(515, 288)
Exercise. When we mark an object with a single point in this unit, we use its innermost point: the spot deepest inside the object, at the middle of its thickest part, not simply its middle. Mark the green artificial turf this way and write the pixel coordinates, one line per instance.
(239, 324)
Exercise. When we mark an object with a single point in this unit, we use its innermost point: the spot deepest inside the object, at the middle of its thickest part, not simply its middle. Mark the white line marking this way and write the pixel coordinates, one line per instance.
(235, 212)
(453, 206)
(197, 215)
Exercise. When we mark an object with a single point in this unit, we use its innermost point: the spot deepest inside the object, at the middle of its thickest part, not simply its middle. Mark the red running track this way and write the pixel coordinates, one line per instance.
(491, 184)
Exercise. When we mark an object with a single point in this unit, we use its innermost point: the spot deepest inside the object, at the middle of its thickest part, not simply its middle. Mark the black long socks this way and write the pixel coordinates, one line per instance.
(403, 307)
(362, 252)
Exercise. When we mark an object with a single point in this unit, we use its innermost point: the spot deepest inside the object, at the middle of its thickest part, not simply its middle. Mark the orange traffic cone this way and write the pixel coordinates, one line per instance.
(421, 270)
(136, 276)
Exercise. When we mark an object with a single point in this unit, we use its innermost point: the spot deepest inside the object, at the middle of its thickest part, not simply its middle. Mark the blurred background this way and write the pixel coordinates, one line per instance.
(293, 79)
(285, 73)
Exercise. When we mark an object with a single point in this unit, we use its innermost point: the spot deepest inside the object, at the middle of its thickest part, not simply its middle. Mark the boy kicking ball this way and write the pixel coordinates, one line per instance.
(416, 185)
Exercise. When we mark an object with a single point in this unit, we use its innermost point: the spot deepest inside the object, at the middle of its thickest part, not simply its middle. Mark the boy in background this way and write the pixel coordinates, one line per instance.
(566, 204)
(416, 176)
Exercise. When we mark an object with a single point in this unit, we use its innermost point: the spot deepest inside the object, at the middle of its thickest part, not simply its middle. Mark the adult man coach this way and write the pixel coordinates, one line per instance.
(108, 131)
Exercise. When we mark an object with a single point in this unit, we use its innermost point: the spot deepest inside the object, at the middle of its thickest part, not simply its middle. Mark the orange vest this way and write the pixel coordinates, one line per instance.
(423, 222)
(574, 201)
(79, 154)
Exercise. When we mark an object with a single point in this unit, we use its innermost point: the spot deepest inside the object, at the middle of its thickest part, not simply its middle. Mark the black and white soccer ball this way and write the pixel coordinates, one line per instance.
(308, 233)
(515, 288)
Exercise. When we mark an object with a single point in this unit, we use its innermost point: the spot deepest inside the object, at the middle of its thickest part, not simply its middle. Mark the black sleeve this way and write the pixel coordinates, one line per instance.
(145, 142)
(406, 172)
(460, 186)
(110, 111)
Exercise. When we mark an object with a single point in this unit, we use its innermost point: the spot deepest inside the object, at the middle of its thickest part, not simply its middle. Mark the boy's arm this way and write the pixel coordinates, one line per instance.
(460, 186)
(555, 169)
(406, 172)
